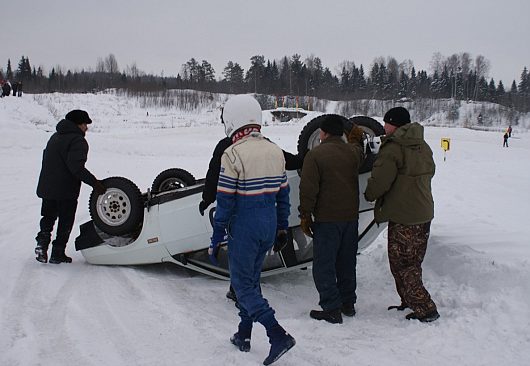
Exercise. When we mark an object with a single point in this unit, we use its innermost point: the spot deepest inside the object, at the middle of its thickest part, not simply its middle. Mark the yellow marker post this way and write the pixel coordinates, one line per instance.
(446, 143)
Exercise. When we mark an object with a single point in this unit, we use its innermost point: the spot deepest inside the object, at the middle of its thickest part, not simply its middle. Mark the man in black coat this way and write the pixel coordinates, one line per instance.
(63, 170)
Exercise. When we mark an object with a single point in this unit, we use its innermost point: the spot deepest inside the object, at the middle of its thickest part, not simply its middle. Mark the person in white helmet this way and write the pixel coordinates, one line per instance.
(252, 210)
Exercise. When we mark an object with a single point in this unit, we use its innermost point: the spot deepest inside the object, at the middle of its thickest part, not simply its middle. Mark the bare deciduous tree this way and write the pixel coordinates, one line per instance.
(111, 64)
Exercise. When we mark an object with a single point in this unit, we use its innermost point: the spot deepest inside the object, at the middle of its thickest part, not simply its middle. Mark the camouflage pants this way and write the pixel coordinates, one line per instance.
(407, 245)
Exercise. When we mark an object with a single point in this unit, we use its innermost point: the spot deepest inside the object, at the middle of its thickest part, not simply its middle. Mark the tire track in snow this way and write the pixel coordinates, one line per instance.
(43, 323)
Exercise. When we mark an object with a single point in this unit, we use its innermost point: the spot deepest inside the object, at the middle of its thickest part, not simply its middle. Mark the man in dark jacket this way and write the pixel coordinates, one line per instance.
(329, 192)
(401, 186)
(63, 170)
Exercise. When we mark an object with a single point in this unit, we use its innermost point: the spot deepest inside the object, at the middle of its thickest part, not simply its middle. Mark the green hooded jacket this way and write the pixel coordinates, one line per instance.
(401, 178)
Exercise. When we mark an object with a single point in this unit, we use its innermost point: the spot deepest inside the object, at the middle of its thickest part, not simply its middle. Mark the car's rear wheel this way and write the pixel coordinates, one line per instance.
(173, 178)
(120, 210)
(370, 126)
(310, 136)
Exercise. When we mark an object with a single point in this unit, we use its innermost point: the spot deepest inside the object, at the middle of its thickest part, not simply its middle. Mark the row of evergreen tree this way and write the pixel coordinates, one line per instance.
(458, 76)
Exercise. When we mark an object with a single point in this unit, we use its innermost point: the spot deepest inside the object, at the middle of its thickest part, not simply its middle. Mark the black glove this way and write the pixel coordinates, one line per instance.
(202, 207)
(99, 188)
(281, 241)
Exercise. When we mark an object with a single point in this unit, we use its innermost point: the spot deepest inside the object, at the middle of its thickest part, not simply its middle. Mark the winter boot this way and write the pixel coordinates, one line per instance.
(241, 339)
(280, 341)
(231, 294)
(331, 316)
(58, 256)
(41, 251)
(348, 309)
(430, 317)
(398, 307)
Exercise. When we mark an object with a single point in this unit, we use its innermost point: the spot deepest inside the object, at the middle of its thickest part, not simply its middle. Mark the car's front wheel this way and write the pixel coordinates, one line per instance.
(120, 209)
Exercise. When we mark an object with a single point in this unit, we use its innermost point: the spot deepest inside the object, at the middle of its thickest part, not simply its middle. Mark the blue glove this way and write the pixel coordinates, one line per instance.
(219, 236)
(213, 252)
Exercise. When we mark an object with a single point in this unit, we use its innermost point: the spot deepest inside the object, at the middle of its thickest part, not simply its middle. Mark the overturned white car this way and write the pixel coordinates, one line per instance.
(164, 225)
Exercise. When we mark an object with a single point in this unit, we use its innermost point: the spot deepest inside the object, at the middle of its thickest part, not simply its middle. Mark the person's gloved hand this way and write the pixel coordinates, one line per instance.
(219, 236)
(281, 241)
(202, 207)
(356, 134)
(99, 188)
(306, 223)
(213, 252)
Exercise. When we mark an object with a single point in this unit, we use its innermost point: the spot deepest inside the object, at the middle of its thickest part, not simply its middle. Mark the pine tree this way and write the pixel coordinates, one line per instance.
(255, 73)
(524, 84)
(9, 72)
(513, 89)
(403, 90)
(492, 91)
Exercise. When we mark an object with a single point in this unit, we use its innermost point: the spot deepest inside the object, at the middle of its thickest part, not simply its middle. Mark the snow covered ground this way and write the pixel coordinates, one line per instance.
(477, 267)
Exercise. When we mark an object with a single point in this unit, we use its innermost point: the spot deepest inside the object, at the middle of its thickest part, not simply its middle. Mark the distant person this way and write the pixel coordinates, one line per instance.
(400, 183)
(6, 89)
(63, 170)
(506, 136)
(252, 211)
(329, 193)
(15, 88)
(19, 89)
(510, 131)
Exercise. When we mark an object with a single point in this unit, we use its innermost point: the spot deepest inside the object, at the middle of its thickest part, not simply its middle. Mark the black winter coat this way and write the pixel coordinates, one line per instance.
(63, 164)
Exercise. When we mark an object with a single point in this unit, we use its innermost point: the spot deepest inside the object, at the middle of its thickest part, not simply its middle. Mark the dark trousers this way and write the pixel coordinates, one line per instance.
(335, 247)
(51, 210)
(407, 245)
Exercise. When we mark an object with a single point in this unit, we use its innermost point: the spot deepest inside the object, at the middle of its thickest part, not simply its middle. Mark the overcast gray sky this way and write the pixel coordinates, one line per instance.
(161, 35)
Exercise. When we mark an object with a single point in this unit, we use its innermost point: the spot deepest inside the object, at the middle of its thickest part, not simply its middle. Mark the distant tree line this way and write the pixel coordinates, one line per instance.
(458, 76)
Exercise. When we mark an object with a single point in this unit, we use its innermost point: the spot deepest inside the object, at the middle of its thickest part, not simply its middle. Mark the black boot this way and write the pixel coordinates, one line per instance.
(430, 317)
(280, 341)
(58, 256)
(241, 339)
(348, 309)
(398, 307)
(43, 242)
(331, 316)
(41, 251)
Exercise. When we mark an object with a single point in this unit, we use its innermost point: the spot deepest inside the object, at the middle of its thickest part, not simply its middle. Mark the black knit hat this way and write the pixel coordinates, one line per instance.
(333, 124)
(78, 117)
(397, 116)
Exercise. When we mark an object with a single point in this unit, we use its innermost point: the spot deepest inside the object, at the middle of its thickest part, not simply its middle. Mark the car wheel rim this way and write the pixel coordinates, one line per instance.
(171, 183)
(314, 139)
(114, 207)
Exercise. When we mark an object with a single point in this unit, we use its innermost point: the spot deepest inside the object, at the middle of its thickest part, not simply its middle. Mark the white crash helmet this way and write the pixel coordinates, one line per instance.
(239, 111)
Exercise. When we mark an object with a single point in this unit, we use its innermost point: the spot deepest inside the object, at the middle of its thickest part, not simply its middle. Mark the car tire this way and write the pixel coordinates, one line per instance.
(173, 178)
(309, 138)
(120, 210)
(369, 125)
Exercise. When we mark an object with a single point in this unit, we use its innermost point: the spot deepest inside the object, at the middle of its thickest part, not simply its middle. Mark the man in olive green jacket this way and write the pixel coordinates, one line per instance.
(329, 192)
(401, 186)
